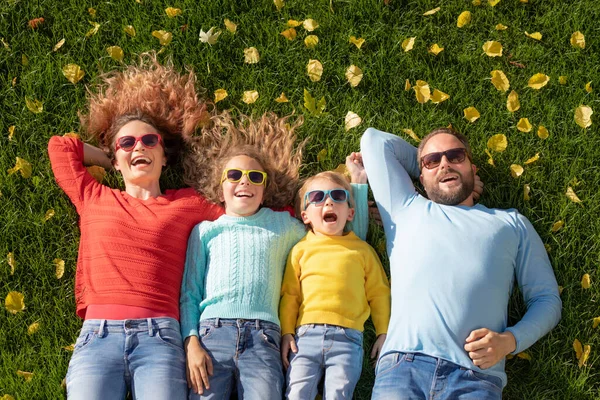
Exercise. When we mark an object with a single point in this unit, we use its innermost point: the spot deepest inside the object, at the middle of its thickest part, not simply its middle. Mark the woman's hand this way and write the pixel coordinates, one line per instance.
(287, 343)
(198, 365)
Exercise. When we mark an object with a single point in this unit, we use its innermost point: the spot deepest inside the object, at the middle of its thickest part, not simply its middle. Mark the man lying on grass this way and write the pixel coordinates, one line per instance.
(452, 266)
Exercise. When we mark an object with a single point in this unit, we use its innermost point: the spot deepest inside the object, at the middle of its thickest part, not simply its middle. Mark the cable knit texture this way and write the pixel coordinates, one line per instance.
(335, 280)
(131, 251)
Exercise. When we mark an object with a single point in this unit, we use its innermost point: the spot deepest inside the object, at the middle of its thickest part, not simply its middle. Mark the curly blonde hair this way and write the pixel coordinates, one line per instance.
(152, 93)
(270, 140)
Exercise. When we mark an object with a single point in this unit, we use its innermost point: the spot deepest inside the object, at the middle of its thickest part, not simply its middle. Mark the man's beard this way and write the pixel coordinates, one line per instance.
(456, 195)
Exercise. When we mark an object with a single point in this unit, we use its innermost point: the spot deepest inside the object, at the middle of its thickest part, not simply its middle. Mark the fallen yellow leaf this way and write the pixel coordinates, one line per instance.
(438, 96)
(471, 114)
(49, 214)
(501, 27)
(578, 348)
(72, 135)
(524, 356)
(538, 81)
(585, 281)
(512, 102)
(321, 155)
(25, 375)
(585, 355)
(354, 75)
(130, 30)
(312, 105)
(172, 12)
(542, 132)
(59, 266)
(431, 12)
(407, 85)
(14, 302)
(352, 120)
(578, 40)
(164, 37)
(516, 170)
(35, 106)
(10, 258)
(97, 172)
(588, 87)
(476, 3)
(311, 41)
(526, 191)
(493, 3)
(94, 30)
(58, 45)
(73, 73)
(209, 37)
(92, 12)
(532, 159)
(230, 26)
(557, 225)
(282, 98)
(435, 49)
(310, 24)
(251, 55)
(492, 48)
(314, 69)
(534, 35)
(572, 196)
(7, 397)
(278, 4)
(497, 143)
(523, 125)
(583, 116)
(292, 23)
(11, 132)
(33, 328)
(463, 19)
(250, 96)
(499, 80)
(22, 166)
(408, 44)
(357, 42)
(115, 52)
(289, 34)
(412, 134)
(220, 94)
(562, 80)
(596, 322)
(70, 347)
(422, 91)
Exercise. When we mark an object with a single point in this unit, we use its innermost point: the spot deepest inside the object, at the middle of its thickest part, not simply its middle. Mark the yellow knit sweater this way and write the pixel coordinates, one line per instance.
(335, 280)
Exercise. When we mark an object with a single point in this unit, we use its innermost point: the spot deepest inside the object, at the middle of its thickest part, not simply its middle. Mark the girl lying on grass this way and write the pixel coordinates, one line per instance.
(133, 242)
(332, 281)
(234, 266)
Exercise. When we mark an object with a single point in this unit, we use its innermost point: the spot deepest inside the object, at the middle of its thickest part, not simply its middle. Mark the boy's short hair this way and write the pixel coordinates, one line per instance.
(335, 177)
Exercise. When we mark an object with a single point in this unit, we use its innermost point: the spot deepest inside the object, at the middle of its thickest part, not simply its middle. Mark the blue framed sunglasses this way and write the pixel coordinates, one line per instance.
(319, 196)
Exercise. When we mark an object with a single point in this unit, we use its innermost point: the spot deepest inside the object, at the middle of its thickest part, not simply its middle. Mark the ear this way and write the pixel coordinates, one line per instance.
(115, 164)
(421, 178)
(350, 214)
(305, 218)
(474, 167)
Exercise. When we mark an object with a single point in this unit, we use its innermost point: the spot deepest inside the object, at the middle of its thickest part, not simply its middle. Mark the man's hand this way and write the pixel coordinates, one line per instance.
(287, 343)
(198, 366)
(355, 167)
(486, 348)
(377, 346)
(478, 188)
(374, 213)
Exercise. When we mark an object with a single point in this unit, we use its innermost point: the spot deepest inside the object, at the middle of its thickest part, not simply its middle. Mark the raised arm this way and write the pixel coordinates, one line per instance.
(94, 156)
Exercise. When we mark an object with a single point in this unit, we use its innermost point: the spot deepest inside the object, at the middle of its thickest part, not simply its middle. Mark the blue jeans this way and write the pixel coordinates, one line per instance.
(335, 351)
(144, 356)
(417, 376)
(245, 353)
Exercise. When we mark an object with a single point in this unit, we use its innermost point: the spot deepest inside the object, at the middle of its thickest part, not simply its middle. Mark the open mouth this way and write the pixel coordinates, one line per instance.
(449, 178)
(244, 194)
(141, 161)
(330, 217)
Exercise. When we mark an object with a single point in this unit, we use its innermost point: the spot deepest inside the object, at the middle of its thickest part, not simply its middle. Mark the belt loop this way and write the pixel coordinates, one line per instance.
(150, 326)
(101, 328)
(217, 320)
(409, 357)
(257, 323)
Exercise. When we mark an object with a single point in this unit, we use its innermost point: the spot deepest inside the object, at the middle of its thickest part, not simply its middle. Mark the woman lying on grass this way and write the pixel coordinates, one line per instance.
(133, 242)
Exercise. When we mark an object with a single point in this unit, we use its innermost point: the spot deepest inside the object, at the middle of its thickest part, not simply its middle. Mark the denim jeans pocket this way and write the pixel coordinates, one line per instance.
(488, 380)
(271, 337)
(170, 336)
(388, 362)
(353, 335)
(205, 331)
(85, 339)
(301, 330)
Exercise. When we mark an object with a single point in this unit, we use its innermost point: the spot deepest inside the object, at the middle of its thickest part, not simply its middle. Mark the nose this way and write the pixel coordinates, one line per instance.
(244, 180)
(139, 146)
(328, 201)
(444, 163)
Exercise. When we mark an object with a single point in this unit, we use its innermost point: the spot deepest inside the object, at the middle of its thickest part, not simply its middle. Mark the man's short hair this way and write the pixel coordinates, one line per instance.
(449, 131)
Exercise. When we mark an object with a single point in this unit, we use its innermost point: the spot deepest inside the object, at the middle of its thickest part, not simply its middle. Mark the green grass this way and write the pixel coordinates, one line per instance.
(568, 156)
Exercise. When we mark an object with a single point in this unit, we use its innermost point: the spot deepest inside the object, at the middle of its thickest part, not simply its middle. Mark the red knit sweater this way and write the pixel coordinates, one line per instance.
(131, 251)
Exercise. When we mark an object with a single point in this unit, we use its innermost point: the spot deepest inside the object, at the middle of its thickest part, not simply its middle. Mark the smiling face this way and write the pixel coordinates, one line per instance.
(242, 198)
(142, 166)
(448, 183)
(327, 218)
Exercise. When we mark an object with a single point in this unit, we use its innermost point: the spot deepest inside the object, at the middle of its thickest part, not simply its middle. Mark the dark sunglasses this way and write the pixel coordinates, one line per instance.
(128, 143)
(319, 196)
(454, 156)
(235, 175)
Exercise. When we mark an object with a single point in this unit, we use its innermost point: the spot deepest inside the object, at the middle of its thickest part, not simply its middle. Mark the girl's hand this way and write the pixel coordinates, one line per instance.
(198, 366)
(355, 167)
(287, 343)
(377, 346)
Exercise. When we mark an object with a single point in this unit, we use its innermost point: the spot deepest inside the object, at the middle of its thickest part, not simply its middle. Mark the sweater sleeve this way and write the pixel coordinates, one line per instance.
(66, 158)
(360, 223)
(192, 284)
(537, 285)
(291, 295)
(390, 163)
(377, 289)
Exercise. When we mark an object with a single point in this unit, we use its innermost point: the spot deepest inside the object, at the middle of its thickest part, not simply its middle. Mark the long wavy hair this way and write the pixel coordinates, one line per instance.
(270, 140)
(152, 93)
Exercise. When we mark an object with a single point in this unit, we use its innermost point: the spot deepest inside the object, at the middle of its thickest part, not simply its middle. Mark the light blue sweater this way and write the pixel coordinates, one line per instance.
(234, 266)
(452, 267)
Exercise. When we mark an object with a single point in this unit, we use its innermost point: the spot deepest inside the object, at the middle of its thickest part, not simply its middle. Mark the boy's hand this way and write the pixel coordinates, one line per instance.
(354, 165)
(478, 188)
(377, 346)
(198, 366)
(287, 343)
